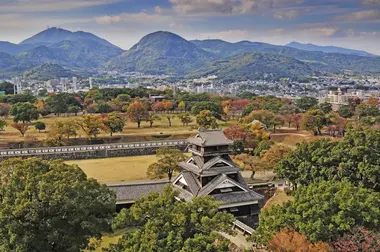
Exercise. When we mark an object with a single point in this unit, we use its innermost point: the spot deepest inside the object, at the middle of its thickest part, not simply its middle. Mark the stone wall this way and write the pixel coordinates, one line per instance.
(93, 154)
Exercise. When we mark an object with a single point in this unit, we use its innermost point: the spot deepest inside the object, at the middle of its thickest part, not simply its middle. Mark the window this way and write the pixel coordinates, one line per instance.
(225, 190)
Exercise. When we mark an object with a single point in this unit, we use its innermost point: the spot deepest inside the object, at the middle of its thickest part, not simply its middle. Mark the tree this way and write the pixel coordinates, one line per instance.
(313, 120)
(345, 111)
(39, 125)
(60, 130)
(151, 118)
(4, 109)
(275, 154)
(206, 120)
(248, 163)
(54, 198)
(296, 120)
(322, 212)
(91, 125)
(3, 124)
(74, 110)
(60, 103)
(137, 112)
(185, 119)
(358, 239)
(114, 123)
(167, 163)
(367, 110)
(103, 108)
(42, 108)
(7, 87)
(172, 225)
(325, 107)
(306, 103)
(290, 240)
(24, 112)
(182, 106)
(355, 158)
(21, 127)
(215, 108)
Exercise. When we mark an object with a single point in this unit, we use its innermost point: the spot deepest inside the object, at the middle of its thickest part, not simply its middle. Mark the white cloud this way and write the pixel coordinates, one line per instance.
(371, 2)
(229, 35)
(287, 14)
(227, 6)
(366, 15)
(48, 5)
(141, 17)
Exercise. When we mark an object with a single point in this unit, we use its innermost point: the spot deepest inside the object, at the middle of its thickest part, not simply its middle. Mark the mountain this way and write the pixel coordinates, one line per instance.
(55, 35)
(328, 49)
(256, 66)
(47, 72)
(162, 53)
(318, 61)
(13, 49)
(74, 50)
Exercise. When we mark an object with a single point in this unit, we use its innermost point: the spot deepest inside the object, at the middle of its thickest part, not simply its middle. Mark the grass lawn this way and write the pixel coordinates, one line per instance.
(113, 238)
(118, 169)
(278, 199)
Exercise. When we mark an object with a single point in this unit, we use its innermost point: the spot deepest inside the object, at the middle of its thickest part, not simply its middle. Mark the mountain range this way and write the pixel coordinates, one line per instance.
(328, 49)
(167, 53)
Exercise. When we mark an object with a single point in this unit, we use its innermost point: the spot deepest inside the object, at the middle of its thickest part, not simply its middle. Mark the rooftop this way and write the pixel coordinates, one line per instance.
(210, 138)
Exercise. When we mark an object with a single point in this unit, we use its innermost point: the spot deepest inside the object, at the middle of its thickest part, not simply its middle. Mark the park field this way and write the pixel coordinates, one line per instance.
(111, 170)
(160, 127)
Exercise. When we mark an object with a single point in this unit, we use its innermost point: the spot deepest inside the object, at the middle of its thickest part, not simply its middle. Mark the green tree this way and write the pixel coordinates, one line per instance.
(74, 110)
(166, 164)
(7, 87)
(322, 212)
(215, 108)
(60, 103)
(39, 125)
(114, 123)
(206, 120)
(325, 107)
(346, 112)
(24, 112)
(172, 225)
(313, 120)
(306, 103)
(54, 207)
(356, 158)
(367, 110)
(185, 118)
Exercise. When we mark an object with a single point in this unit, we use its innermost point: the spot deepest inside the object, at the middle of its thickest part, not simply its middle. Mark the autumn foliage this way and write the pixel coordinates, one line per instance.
(290, 240)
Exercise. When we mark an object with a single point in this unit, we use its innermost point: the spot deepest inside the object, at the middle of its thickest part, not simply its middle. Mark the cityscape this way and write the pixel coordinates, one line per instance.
(190, 126)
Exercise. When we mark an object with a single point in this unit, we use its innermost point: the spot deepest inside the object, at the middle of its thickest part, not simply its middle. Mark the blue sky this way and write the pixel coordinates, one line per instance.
(347, 23)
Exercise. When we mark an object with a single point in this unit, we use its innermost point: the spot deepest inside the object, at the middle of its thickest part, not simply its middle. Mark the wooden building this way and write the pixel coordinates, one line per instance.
(211, 171)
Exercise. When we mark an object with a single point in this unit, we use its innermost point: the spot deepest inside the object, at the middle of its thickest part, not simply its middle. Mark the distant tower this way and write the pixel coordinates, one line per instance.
(90, 81)
(75, 80)
(17, 83)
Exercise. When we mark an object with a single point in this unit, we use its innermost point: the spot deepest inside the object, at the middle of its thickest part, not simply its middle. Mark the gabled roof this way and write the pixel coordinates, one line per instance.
(209, 167)
(210, 138)
(215, 160)
(213, 184)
